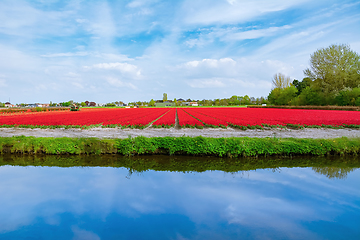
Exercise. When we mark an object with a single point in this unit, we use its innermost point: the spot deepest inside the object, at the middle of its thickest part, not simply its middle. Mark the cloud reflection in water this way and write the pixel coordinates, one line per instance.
(102, 203)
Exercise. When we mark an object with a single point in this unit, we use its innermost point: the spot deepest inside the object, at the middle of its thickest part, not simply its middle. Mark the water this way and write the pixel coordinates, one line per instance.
(113, 197)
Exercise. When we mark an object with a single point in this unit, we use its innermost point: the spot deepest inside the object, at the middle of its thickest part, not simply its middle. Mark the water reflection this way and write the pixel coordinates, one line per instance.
(332, 167)
(177, 203)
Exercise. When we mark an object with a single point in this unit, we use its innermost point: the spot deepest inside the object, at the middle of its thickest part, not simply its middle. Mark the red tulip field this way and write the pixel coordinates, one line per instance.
(242, 118)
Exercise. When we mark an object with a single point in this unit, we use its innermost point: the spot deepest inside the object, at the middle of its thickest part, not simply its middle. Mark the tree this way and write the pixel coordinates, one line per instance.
(334, 68)
(280, 96)
(152, 103)
(234, 100)
(281, 81)
(348, 97)
(306, 82)
(165, 97)
(224, 102)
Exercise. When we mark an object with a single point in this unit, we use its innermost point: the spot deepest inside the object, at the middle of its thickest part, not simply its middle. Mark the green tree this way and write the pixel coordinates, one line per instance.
(234, 100)
(306, 82)
(311, 96)
(83, 104)
(334, 68)
(224, 102)
(281, 81)
(246, 100)
(280, 96)
(110, 105)
(152, 103)
(165, 97)
(348, 97)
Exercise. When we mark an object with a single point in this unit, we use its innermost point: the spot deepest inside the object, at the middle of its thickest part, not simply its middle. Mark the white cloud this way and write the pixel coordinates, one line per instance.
(210, 63)
(67, 54)
(72, 75)
(135, 4)
(122, 67)
(81, 234)
(206, 83)
(213, 11)
(254, 34)
(113, 57)
(118, 83)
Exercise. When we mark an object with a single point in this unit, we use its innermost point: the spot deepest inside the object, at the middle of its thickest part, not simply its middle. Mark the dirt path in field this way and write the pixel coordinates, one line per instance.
(173, 132)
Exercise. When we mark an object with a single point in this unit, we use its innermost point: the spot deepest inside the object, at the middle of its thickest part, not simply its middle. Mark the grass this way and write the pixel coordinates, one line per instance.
(194, 146)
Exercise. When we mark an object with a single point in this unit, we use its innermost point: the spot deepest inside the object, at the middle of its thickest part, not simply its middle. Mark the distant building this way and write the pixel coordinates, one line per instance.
(164, 104)
(42, 104)
(8, 104)
(193, 104)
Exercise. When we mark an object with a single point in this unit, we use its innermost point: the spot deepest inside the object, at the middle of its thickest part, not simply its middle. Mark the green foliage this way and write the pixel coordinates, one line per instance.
(284, 96)
(110, 105)
(152, 103)
(281, 81)
(201, 146)
(32, 145)
(66, 104)
(334, 68)
(300, 86)
(309, 96)
(348, 97)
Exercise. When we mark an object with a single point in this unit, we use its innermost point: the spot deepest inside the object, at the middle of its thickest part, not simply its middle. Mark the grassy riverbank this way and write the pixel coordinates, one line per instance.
(195, 146)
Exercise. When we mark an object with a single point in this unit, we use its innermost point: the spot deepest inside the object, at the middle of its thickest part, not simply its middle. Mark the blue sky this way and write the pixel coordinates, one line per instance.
(107, 51)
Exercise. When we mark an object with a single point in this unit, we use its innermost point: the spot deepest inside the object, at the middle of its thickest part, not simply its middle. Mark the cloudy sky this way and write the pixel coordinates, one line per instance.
(108, 50)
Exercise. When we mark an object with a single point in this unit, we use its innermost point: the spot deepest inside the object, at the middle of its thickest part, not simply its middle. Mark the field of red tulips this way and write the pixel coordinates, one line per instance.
(187, 117)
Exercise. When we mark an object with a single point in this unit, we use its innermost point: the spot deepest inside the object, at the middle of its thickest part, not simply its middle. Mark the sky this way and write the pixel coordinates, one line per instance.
(136, 50)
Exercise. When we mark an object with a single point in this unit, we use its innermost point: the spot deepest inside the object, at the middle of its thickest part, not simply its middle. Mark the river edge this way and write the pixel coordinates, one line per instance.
(118, 133)
(184, 145)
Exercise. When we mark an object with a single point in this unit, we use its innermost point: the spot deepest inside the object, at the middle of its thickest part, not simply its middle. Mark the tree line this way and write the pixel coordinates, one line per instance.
(332, 79)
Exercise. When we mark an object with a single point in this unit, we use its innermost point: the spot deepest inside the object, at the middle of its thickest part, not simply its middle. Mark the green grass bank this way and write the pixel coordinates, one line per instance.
(191, 146)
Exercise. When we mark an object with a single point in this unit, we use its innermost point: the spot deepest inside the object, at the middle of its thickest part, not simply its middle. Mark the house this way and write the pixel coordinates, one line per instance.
(193, 104)
(8, 104)
(42, 104)
(32, 105)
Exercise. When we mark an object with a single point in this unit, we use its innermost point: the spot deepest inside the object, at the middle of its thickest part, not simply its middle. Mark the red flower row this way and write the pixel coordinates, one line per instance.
(187, 116)
(185, 119)
(256, 116)
(167, 119)
(86, 117)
